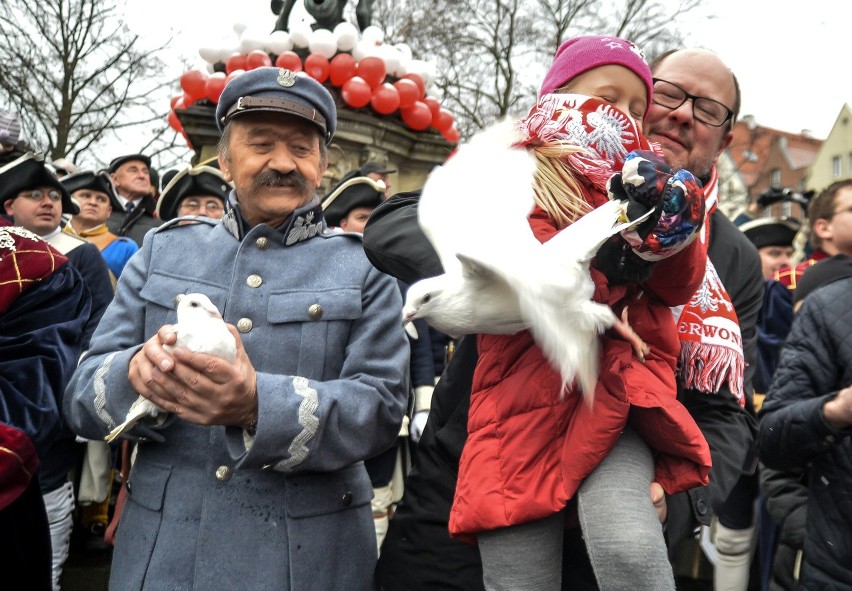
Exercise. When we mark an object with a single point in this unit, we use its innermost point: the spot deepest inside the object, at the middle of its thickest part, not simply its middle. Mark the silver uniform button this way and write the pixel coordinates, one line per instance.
(262, 243)
(244, 324)
(315, 311)
(223, 473)
(254, 280)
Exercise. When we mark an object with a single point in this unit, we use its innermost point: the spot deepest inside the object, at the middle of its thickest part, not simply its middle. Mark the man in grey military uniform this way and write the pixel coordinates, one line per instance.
(255, 480)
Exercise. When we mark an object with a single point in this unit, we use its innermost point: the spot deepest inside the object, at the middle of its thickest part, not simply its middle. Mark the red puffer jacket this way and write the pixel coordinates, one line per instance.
(529, 448)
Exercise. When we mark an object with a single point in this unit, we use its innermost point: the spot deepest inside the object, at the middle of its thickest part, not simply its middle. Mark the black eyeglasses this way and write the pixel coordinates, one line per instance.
(706, 110)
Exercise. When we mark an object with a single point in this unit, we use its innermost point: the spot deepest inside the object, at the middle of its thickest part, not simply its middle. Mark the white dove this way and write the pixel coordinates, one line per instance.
(199, 328)
(498, 278)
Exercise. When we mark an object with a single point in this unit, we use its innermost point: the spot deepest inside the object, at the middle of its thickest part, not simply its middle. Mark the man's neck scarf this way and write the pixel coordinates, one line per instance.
(711, 346)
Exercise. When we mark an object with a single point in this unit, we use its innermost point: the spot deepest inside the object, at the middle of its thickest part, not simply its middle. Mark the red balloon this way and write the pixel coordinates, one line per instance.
(233, 75)
(342, 68)
(418, 116)
(356, 92)
(408, 91)
(433, 104)
(235, 62)
(289, 60)
(372, 70)
(215, 86)
(418, 81)
(194, 84)
(443, 120)
(174, 122)
(179, 104)
(188, 99)
(317, 67)
(452, 135)
(257, 59)
(175, 99)
(385, 99)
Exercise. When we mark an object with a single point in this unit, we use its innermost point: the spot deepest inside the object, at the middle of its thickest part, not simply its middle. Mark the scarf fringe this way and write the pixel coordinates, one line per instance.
(706, 368)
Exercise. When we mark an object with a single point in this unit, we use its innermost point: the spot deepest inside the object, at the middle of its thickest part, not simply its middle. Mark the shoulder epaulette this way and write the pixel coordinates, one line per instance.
(187, 222)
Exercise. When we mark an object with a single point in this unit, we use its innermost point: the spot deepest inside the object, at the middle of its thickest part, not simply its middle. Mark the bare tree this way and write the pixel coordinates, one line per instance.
(492, 54)
(76, 74)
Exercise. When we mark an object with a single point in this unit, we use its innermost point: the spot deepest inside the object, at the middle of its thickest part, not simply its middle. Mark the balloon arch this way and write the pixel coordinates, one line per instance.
(366, 73)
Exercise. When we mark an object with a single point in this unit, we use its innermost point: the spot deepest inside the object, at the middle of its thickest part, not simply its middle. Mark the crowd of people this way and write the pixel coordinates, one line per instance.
(343, 450)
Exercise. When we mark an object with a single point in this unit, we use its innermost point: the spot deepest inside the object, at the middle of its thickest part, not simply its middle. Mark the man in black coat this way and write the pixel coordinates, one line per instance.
(134, 207)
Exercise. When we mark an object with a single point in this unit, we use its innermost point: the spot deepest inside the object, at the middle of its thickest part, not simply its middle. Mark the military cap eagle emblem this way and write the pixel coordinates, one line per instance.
(286, 78)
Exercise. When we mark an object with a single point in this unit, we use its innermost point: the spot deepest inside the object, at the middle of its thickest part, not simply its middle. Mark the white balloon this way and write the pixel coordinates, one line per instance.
(210, 68)
(373, 34)
(228, 51)
(252, 39)
(347, 36)
(300, 34)
(278, 42)
(426, 70)
(390, 55)
(430, 74)
(364, 49)
(404, 50)
(323, 42)
(239, 28)
(209, 54)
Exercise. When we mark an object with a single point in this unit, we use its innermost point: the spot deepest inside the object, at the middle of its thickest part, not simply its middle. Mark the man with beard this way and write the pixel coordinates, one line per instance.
(259, 462)
(695, 102)
(690, 86)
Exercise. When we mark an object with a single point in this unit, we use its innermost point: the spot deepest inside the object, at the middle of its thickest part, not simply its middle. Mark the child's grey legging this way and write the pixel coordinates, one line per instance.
(622, 532)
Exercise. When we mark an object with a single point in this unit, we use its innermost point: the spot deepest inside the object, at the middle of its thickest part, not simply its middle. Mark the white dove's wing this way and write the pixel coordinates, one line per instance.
(480, 198)
(555, 293)
(141, 408)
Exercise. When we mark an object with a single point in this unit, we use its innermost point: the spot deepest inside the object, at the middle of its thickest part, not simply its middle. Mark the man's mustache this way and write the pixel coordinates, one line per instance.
(273, 178)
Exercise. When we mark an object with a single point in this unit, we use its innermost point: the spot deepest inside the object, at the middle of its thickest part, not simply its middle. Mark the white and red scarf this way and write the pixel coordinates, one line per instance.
(711, 345)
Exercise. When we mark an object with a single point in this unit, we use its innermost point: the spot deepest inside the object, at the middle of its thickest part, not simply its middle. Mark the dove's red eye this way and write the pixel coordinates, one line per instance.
(426, 298)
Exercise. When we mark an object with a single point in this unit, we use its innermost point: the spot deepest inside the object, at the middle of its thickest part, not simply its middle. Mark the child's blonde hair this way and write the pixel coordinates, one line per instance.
(557, 190)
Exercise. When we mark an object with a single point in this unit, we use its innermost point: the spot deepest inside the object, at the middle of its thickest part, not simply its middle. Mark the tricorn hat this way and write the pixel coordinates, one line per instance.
(94, 181)
(28, 172)
(189, 182)
(771, 231)
(360, 191)
(375, 167)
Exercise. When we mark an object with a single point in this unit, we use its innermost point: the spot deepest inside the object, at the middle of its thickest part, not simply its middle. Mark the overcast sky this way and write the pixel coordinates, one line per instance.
(792, 58)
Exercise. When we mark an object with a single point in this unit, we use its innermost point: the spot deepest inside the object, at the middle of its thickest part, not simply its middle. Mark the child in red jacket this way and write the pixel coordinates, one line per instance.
(531, 446)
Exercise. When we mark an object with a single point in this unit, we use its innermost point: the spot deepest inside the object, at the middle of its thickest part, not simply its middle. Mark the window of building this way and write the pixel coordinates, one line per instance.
(775, 178)
(836, 167)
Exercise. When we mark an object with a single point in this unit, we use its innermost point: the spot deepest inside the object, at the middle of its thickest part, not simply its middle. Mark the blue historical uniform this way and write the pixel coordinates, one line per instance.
(289, 508)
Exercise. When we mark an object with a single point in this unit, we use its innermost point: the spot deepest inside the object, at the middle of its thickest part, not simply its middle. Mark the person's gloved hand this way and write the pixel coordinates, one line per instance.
(676, 198)
(418, 423)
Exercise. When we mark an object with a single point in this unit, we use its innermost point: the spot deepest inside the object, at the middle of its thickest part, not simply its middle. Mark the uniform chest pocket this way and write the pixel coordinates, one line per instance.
(315, 323)
(161, 289)
(314, 305)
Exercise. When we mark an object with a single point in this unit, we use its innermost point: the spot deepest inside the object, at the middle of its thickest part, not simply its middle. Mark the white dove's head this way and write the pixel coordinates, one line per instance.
(196, 304)
(422, 298)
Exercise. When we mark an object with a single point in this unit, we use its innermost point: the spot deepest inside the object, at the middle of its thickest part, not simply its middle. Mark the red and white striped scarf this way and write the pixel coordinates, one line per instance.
(711, 346)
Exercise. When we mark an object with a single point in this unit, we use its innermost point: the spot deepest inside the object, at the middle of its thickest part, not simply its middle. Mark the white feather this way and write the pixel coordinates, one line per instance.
(498, 278)
(199, 328)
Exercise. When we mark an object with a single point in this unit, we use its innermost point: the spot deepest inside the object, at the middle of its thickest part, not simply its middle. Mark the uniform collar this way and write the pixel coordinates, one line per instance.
(304, 223)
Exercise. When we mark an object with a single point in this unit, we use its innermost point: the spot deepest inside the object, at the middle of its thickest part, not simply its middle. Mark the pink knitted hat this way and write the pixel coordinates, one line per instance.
(582, 54)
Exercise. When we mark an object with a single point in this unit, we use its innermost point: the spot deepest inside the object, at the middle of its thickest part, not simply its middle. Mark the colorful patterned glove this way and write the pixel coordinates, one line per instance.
(647, 182)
